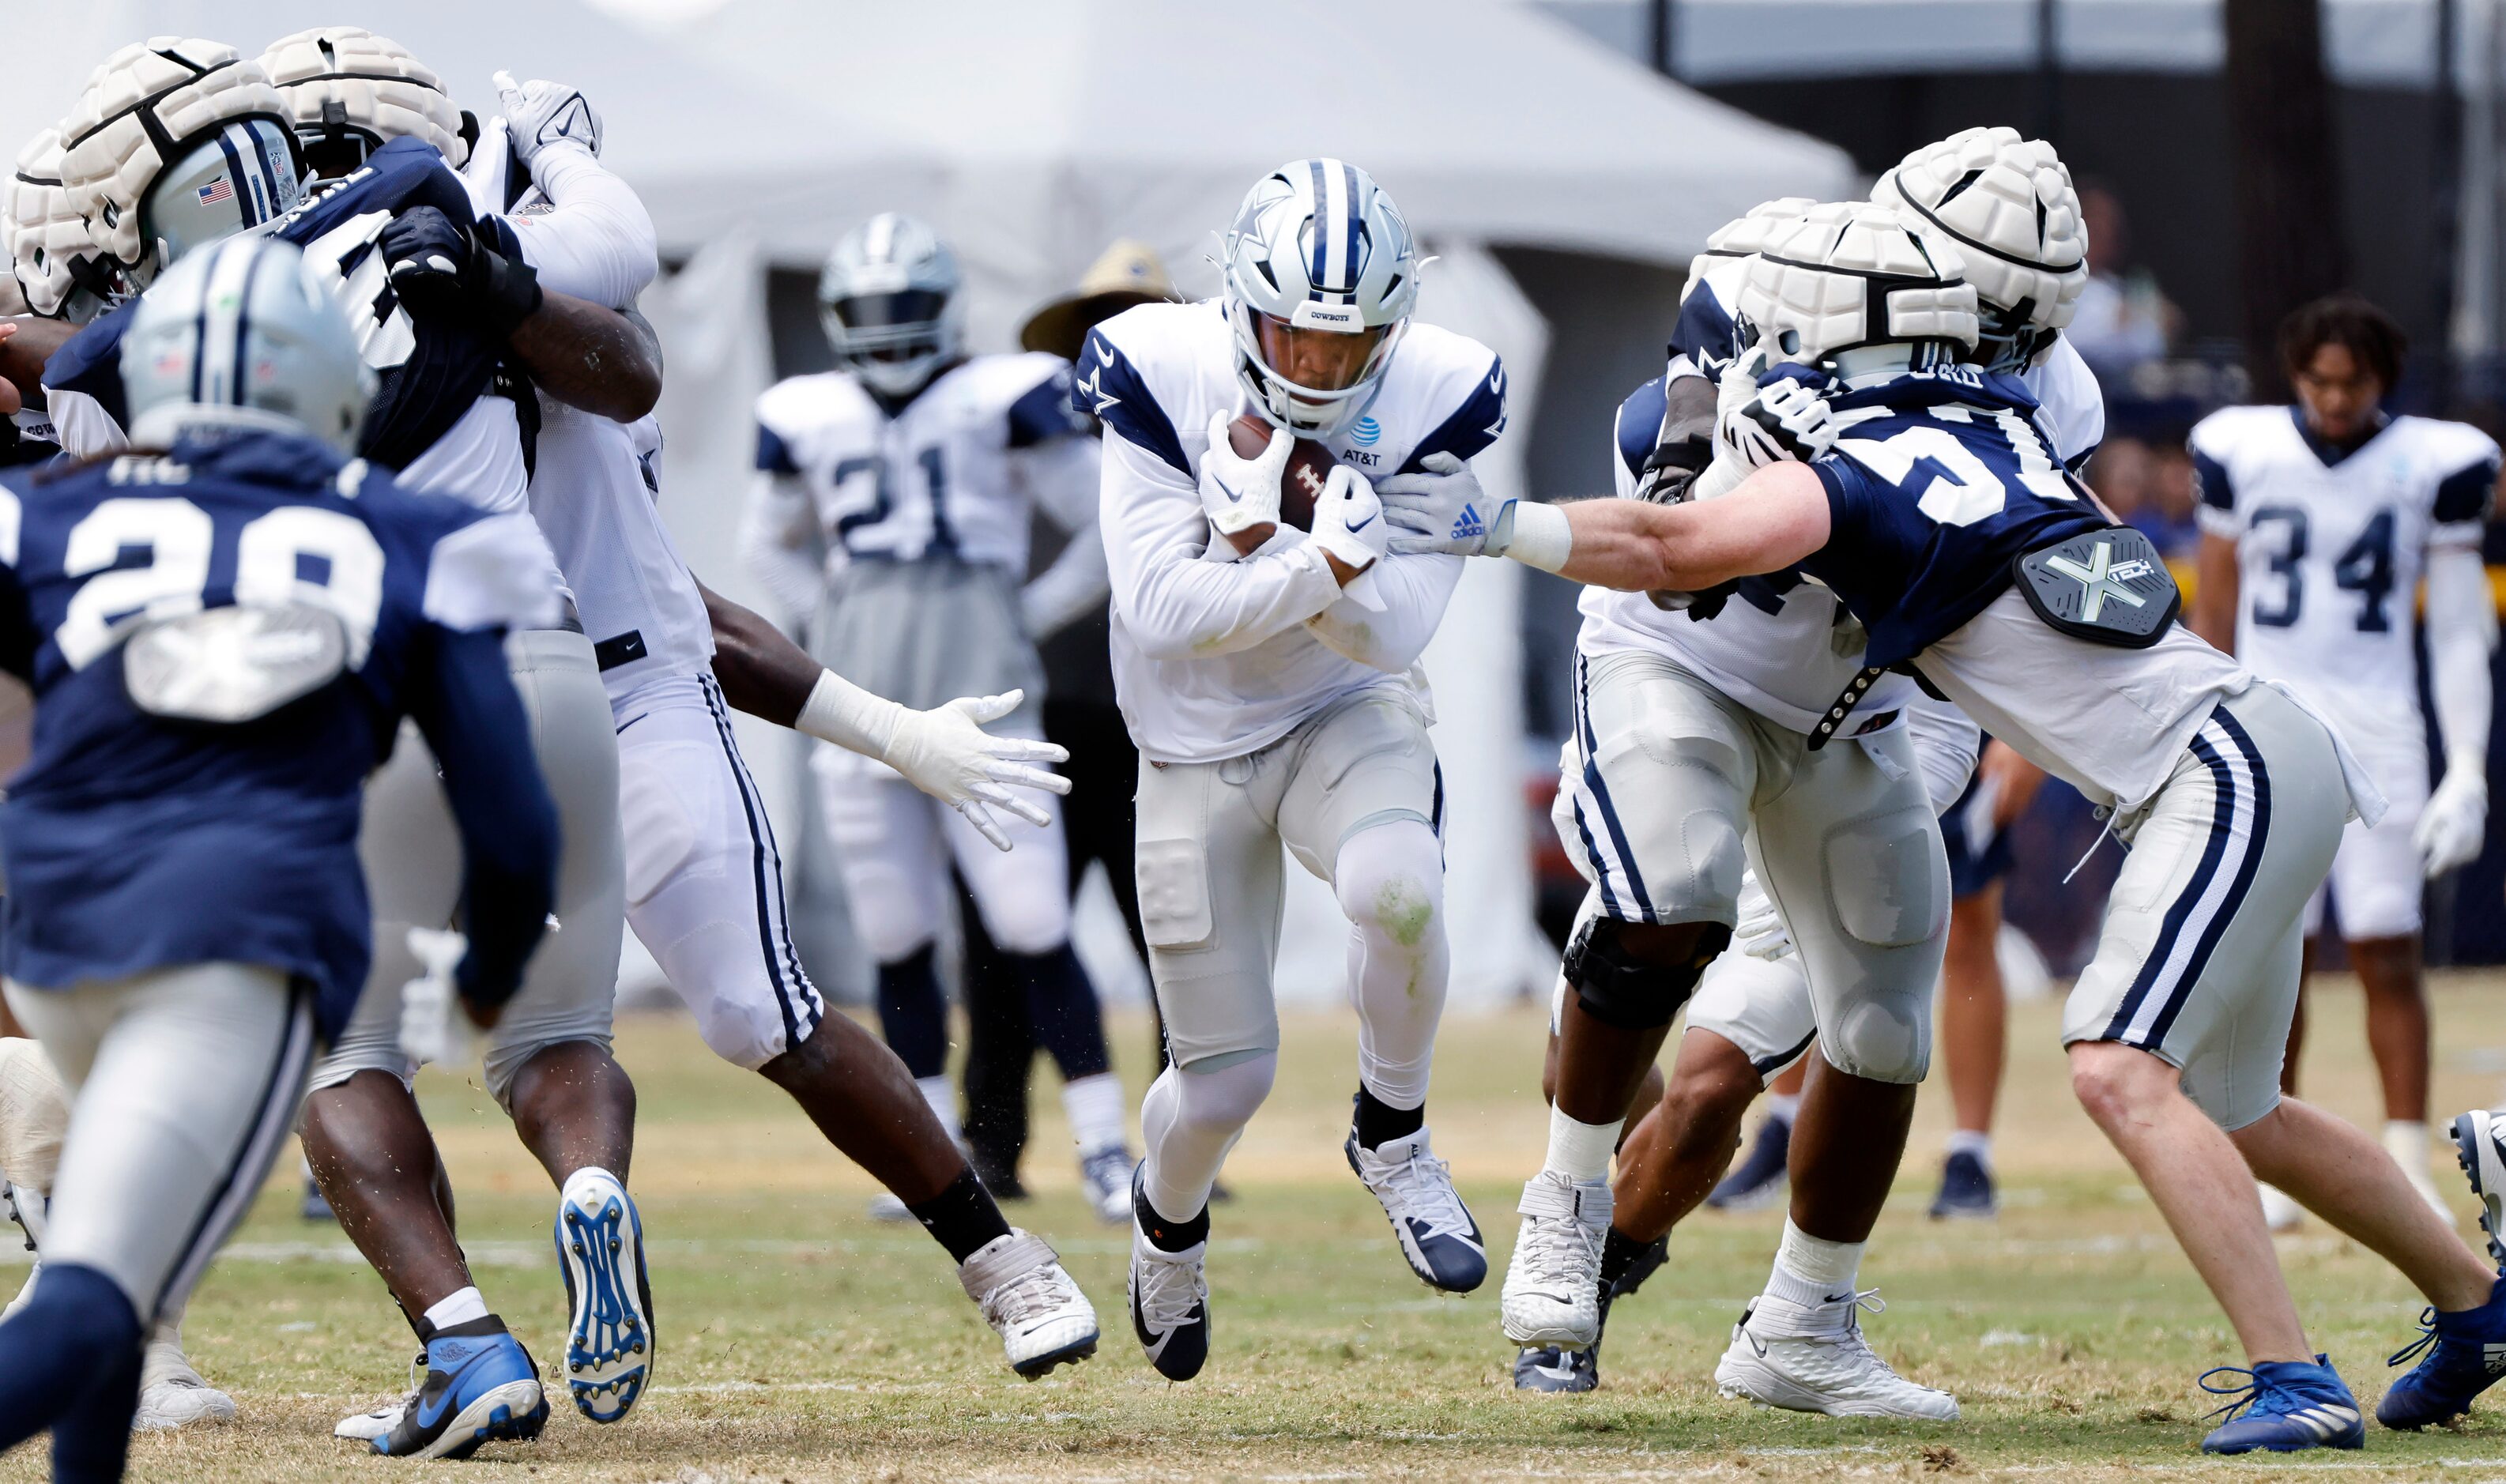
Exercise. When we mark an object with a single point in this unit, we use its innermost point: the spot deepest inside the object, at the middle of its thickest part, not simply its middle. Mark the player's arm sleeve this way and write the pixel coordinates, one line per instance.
(778, 530)
(1063, 476)
(1176, 604)
(1946, 747)
(2461, 631)
(1415, 591)
(598, 243)
(463, 699)
(2464, 501)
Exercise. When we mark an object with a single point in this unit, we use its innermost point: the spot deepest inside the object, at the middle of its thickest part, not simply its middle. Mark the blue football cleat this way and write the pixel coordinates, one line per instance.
(482, 1386)
(609, 1342)
(1555, 1368)
(1966, 1189)
(2462, 1355)
(1439, 1238)
(2288, 1406)
(1760, 1180)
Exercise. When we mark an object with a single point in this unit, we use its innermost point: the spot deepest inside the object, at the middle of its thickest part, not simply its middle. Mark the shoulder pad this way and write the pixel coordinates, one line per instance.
(1639, 423)
(1109, 387)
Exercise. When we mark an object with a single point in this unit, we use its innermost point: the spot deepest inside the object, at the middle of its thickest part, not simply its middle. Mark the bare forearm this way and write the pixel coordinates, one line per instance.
(588, 357)
(762, 672)
(23, 354)
(2214, 592)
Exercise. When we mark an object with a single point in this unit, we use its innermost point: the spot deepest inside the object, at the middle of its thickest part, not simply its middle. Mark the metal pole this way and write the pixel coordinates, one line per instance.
(2048, 71)
(2445, 216)
(1663, 55)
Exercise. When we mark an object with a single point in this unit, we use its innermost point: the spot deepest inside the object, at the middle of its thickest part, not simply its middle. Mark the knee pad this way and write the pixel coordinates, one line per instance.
(1616, 988)
(1224, 1092)
(1881, 1039)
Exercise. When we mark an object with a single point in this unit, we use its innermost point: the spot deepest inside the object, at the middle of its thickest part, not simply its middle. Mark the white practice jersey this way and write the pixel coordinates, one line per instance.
(2330, 551)
(951, 475)
(1215, 658)
(1776, 647)
(595, 484)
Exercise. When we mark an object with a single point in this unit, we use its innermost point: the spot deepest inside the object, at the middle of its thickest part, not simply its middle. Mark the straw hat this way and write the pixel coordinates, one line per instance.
(1128, 273)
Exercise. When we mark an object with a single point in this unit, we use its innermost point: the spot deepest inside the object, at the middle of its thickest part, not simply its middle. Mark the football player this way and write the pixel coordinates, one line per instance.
(187, 920)
(2318, 520)
(913, 466)
(1270, 677)
(1932, 506)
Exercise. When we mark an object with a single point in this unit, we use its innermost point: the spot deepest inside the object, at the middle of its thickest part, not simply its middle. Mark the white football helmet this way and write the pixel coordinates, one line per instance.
(241, 336)
(2007, 207)
(1852, 287)
(1321, 276)
(175, 144)
(349, 93)
(52, 261)
(889, 304)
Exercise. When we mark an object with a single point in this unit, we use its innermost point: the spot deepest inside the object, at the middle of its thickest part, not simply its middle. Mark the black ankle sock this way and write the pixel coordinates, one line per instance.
(1619, 1253)
(1170, 1236)
(962, 1217)
(1379, 1122)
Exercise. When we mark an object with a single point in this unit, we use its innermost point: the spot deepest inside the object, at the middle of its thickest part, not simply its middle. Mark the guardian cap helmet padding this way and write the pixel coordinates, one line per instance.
(1317, 253)
(1851, 277)
(52, 259)
(2006, 207)
(349, 93)
(238, 336)
(175, 144)
(888, 299)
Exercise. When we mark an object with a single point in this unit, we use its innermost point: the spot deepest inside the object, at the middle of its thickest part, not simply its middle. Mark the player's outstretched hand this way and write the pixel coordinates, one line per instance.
(438, 1023)
(442, 271)
(2453, 823)
(1238, 494)
(1443, 511)
(542, 114)
(945, 752)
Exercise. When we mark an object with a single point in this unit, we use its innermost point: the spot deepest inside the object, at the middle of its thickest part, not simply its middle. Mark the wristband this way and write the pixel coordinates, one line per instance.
(841, 712)
(1538, 535)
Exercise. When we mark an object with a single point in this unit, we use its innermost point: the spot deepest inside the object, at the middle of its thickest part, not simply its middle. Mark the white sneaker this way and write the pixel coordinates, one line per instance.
(1553, 1283)
(1042, 1318)
(1105, 1179)
(884, 1207)
(2476, 1145)
(366, 1427)
(172, 1394)
(1435, 1229)
(2280, 1211)
(1815, 1360)
(1170, 1305)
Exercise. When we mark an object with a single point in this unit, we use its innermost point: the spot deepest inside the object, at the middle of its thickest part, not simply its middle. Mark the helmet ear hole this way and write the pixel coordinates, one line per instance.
(1791, 342)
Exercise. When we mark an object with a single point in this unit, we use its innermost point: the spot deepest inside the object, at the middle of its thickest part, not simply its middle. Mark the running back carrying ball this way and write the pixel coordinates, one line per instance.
(1310, 464)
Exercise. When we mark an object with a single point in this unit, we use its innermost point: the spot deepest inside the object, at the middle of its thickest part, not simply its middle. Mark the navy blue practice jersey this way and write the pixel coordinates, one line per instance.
(429, 371)
(1940, 480)
(135, 842)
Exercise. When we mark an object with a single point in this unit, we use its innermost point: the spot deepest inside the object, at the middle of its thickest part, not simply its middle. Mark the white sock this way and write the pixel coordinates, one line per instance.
(460, 1308)
(942, 1094)
(1783, 1107)
(1580, 1151)
(1967, 1141)
(2407, 1140)
(1095, 1107)
(1811, 1270)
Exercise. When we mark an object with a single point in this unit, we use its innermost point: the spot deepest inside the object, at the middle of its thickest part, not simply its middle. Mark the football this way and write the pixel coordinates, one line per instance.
(1310, 464)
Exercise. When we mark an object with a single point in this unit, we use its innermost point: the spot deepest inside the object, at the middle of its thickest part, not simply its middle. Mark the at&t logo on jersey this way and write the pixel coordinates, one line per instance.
(1366, 432)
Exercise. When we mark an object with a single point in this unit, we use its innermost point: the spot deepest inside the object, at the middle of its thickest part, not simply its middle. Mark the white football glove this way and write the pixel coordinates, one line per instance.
(1445, 510)
(945, 752)
(1757, 423)
(1349, 520)
(434, 1025)
(1239, 494)
(542, 114)
(2454, 823)
(1761, 933)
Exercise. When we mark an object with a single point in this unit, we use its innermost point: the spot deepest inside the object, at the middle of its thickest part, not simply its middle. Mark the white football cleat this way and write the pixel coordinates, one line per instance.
(1105, 1179)
(1807, 1359)
(366, 1427)
(2476, 1136)
(1553, 1283)
(1042, 1318)
(610, 1338)
(1439, 1239)
(172, 1394)
(2281, 1209)
(884, 1207)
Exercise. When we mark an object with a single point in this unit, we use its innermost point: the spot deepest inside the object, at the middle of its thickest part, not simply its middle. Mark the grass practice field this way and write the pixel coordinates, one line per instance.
(800, 1340)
